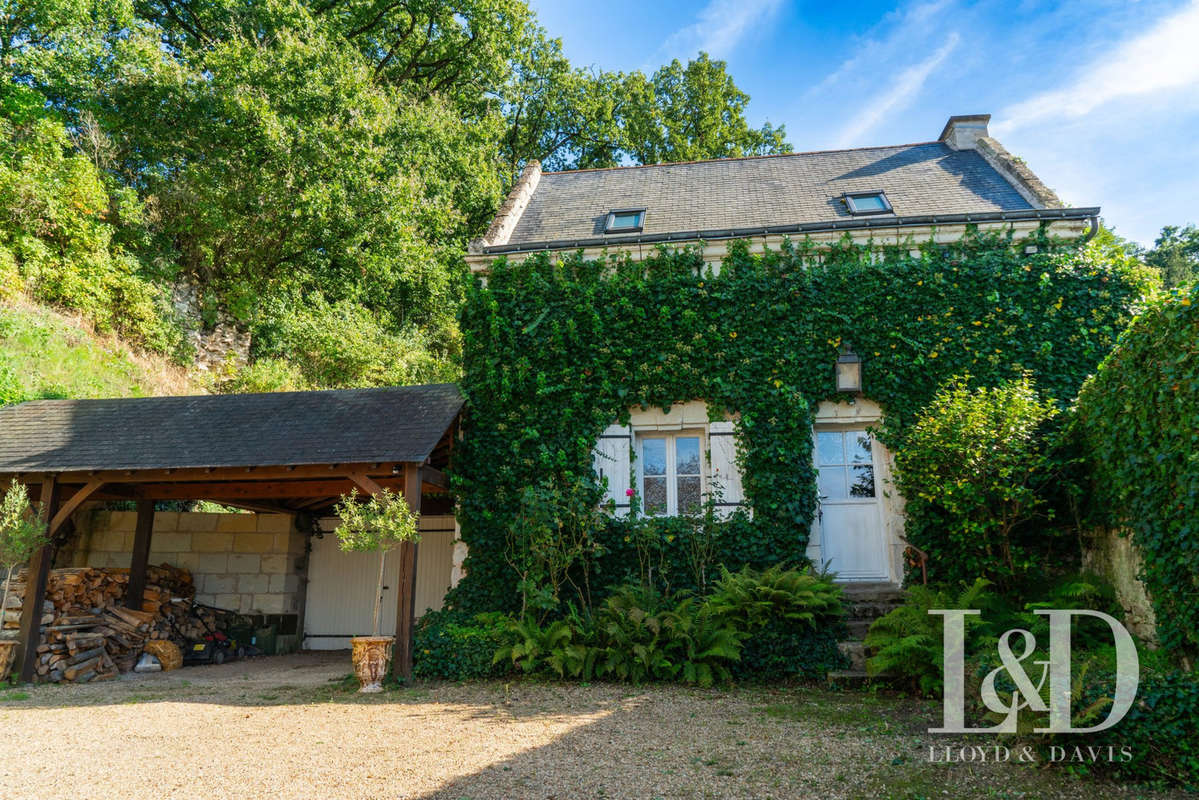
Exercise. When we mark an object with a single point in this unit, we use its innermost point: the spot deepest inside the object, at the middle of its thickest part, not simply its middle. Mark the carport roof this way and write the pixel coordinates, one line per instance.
(393, 424)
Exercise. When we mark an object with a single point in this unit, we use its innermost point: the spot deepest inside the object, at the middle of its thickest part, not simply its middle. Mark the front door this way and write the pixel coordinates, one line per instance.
(850, 519)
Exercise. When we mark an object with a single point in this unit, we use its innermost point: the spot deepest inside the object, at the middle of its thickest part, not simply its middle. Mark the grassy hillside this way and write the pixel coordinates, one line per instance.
(47, 354)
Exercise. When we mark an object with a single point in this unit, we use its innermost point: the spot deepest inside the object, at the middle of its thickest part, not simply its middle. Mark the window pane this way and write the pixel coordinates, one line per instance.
(689, 496)
(686, 450)
(655, 495)
(629, 220)
(828, 448)
(868, 202)
(830, 481)
(860, 443)
(863, 482)
(653, 456)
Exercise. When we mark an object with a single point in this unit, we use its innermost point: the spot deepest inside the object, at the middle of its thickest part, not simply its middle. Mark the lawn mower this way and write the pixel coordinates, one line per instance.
(214, 647)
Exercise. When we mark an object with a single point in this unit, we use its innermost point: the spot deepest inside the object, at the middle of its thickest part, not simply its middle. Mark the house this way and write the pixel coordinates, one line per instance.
(669, 458)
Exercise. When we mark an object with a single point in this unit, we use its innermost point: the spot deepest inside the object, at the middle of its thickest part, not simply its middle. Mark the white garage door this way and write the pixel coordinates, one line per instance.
(341, 586)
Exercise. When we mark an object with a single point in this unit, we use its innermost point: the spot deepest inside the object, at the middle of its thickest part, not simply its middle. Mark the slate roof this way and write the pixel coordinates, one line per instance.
(740, 193)
(236, 430)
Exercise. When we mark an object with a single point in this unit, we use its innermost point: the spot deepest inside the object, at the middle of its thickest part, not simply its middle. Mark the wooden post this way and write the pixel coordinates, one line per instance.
(35, 587)
(141, 555)
(406, 596)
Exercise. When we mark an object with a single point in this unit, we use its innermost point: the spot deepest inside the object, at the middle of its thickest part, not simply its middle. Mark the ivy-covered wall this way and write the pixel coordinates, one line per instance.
(558, 347)
(1139, 417)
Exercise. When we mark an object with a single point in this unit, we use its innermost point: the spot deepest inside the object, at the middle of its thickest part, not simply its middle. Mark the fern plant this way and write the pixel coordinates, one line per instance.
(908, 643)
(533, 647)
(749, 599)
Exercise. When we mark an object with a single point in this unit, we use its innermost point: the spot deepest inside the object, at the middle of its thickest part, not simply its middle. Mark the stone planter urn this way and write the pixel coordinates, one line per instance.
(8, 651)
(372, 656)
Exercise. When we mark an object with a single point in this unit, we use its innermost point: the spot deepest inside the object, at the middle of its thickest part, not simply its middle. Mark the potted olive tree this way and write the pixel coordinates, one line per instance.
(21, 533)
(381, 523)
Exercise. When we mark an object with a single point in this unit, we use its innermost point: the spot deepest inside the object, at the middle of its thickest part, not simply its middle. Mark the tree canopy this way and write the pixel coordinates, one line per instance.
(311, 168)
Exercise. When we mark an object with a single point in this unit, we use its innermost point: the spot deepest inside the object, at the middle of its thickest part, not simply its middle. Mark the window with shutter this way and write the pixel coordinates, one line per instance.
(612, 463)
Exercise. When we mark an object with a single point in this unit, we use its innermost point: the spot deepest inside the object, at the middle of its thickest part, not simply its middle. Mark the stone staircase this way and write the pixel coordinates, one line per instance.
(864, 602)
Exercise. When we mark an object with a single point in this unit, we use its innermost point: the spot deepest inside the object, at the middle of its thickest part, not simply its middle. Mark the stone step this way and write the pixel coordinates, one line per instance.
(871, 592)
(855, 652)
(869, 611)
(857, 629)
(848, 679)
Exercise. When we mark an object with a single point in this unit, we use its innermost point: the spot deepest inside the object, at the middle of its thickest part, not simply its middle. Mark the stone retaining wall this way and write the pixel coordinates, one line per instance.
(252, 563)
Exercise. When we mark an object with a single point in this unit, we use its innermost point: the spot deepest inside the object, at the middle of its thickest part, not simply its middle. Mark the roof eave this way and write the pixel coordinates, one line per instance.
(882, 221)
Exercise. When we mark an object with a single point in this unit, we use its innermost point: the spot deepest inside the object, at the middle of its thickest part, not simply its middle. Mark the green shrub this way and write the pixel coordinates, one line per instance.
(789, 621)
(781, 650)
(457, 646)
(908, 643)
(749, 599)
(1137, 420)
(560, 647)
(1159, 730)
(642, 636)
(971, 470)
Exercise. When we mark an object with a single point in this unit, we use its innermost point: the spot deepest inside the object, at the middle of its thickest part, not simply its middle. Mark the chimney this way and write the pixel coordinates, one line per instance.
(963, 132)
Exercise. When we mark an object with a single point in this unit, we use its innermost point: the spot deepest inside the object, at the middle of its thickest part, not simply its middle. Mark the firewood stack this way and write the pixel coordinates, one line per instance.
(88, 634)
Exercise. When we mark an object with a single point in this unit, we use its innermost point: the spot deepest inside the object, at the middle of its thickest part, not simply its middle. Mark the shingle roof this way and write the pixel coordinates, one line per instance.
(919, 179)
(274, 429)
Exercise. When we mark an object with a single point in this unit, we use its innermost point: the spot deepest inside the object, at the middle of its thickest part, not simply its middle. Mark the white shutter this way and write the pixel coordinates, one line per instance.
(611, 458)
(722, 450)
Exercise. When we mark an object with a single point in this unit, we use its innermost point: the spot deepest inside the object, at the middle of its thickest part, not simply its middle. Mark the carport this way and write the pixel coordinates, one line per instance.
(286, 452)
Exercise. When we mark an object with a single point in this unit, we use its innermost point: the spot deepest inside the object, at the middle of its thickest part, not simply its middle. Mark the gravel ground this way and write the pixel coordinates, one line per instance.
(291, 727)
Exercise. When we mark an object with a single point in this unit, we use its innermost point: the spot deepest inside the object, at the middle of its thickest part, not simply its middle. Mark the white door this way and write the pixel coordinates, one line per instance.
(849, 517)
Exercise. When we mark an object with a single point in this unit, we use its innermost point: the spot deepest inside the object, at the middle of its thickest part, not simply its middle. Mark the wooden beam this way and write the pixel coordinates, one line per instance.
(434, 477)
(365, 483)
(255, 490)
(141, 554)
(35, 587)
(263, 473)
(406, 596)
(68, 508)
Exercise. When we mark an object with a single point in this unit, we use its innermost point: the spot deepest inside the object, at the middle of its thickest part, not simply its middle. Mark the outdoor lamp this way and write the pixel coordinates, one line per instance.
(849, 370)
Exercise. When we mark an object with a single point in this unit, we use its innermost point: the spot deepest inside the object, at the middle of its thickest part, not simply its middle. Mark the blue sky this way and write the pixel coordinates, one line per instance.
(1100, 98)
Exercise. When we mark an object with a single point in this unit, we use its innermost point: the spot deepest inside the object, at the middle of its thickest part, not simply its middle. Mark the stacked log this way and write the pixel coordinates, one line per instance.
(87, 633)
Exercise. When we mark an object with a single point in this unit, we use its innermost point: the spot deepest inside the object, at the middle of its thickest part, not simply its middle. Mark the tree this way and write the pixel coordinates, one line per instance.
(21, 534)
(1176, 255)
(690, 113)
(379, 525)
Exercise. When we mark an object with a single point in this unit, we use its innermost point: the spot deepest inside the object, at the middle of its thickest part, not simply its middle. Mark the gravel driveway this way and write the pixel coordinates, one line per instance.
(290, 727)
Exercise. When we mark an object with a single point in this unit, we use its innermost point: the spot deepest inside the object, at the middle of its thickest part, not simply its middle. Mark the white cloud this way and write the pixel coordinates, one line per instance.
(720, 27)
(1158, 60)
(908, 28)
(898, 95)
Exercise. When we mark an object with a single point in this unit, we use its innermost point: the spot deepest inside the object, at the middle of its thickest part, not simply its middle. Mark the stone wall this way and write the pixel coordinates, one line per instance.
(1115, 557)
(252, 563)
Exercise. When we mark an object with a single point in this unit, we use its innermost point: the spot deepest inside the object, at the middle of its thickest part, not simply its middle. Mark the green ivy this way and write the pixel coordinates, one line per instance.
(1138, 419)
(557, 347)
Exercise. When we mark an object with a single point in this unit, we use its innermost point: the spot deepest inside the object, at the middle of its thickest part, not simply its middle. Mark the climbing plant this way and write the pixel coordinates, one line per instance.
(1138, 418)
(558, 347)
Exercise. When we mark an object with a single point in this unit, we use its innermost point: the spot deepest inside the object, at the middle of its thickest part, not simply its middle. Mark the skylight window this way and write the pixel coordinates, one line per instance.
(867, 203)
(625, 220)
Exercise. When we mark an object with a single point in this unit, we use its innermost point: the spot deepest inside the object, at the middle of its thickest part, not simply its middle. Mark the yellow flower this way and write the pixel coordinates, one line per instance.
(733, 335)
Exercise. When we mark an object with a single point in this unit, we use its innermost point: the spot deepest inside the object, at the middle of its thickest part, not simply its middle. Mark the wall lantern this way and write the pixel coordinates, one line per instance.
(849, 370)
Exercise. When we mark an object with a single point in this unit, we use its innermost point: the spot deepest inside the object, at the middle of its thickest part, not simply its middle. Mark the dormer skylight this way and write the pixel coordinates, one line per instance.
(863, 203)
(625, 220)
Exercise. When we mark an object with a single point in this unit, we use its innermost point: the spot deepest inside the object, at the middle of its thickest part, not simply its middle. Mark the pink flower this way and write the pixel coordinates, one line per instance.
(629, 492)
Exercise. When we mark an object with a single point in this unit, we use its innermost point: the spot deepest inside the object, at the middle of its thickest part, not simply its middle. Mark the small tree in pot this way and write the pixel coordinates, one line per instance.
(381, 523)
(21, 533)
